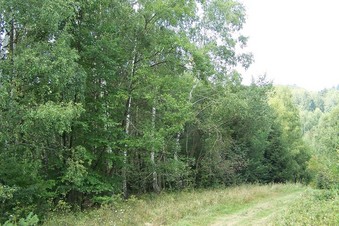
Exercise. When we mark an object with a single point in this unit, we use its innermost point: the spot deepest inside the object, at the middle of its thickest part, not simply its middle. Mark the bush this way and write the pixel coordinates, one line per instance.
(316, 207)
(30, 220)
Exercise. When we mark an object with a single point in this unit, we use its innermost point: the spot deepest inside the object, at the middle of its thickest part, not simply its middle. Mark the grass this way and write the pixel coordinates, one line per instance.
(197, 207)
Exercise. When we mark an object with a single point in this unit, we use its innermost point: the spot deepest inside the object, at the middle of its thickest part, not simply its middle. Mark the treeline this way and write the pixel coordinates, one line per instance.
(112, 97)
(319, 113)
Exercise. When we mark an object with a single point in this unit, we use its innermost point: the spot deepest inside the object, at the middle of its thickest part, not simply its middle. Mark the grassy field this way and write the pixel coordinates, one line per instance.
(243, 205)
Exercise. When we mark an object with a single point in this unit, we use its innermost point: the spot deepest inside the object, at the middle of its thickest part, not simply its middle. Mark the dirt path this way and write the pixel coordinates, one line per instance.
(261, 213)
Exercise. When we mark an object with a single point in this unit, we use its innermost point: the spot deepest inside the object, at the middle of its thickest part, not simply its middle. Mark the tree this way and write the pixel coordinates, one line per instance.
(325, 140)
(293, 151)
(41, 80)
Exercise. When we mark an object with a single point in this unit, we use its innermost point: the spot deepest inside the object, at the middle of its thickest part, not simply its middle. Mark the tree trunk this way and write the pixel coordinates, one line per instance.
(155, 184)
(177, 149)
(128, 120)
(11, 57)
(124, 170)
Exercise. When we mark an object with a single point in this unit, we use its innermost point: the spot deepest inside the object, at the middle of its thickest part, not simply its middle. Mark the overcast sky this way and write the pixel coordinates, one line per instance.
(294, 41)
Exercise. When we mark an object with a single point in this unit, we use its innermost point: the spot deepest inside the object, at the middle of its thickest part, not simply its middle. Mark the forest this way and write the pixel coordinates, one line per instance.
(100, 98)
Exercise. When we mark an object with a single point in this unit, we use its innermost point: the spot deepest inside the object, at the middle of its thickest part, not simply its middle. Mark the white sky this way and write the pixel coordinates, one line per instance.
(294, 41)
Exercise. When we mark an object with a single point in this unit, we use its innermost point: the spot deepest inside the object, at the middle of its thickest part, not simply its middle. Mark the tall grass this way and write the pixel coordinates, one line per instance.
(169, 208)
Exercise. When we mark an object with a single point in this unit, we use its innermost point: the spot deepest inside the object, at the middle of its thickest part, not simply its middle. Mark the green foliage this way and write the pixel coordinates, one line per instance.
(316, 207)
(99, 98)
(294, 153)
(320, 128)
(25, 191)
(30, 220)
(6, 192)
(55, 117)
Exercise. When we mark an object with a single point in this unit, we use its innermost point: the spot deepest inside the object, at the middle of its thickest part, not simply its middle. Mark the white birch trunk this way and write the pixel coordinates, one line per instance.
(154, 173)
(177, 148)
(128, 122)
(124, 171)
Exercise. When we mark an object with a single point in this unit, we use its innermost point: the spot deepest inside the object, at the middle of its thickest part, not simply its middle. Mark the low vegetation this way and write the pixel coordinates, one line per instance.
(206, 207)
(315, 207)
